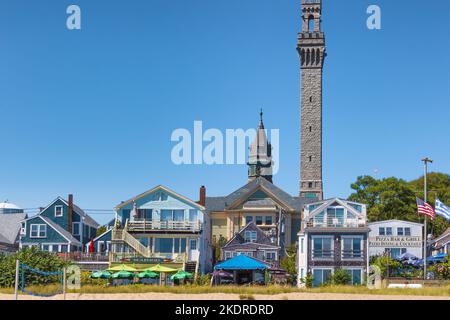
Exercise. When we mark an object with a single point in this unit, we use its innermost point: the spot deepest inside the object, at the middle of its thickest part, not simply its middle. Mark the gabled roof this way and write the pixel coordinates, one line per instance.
(87, 219)
(443, 239)
(260, 183)
(10, 227)
(63, 232)
(159, 187)
(327, 203)
(106, 232)
(239, 238)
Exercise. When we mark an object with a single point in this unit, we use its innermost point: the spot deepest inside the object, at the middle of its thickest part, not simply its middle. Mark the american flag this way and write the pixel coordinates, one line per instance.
(425, 209)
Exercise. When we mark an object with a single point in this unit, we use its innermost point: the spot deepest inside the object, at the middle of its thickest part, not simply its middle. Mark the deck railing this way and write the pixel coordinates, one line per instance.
(335, 223)
(84, 257)
(156, 225)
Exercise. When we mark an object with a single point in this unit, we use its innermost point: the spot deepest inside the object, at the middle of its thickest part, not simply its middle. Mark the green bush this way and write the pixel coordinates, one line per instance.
(341, 277)
(34, 258)
(203, 280)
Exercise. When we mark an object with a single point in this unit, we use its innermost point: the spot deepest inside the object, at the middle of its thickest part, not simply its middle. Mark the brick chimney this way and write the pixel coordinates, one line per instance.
(69, 220)
(202, 198)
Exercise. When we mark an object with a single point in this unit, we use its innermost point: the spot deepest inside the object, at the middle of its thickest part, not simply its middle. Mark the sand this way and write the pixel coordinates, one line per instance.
(223, 296)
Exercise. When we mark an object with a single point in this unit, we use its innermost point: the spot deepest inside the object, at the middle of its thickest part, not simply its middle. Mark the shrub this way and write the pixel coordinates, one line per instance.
(34, 258)
(341, 277)
(203, 280)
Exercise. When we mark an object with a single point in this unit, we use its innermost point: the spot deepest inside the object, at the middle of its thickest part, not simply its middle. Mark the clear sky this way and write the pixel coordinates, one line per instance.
(91, 112)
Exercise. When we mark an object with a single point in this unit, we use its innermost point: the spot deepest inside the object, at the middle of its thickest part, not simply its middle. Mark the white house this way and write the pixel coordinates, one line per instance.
(395, 237)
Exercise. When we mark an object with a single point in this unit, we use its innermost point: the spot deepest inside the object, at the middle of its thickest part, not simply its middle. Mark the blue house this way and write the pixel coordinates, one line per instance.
(102, 243)
(60, 227)
(161, 226)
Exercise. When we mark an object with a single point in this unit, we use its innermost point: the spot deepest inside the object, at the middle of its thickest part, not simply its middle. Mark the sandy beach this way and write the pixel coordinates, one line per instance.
(224, 296)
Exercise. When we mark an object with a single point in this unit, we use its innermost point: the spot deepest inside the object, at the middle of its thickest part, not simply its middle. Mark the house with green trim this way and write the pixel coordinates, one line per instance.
(60, 227)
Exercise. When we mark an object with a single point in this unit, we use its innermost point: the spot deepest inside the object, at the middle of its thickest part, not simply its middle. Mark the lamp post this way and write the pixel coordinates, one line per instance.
(425, 161)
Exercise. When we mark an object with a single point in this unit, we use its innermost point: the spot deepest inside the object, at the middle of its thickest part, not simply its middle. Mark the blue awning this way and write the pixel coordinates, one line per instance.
(241, 262)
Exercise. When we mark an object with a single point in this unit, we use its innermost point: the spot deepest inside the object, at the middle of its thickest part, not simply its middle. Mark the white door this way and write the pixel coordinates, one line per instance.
(193, 250)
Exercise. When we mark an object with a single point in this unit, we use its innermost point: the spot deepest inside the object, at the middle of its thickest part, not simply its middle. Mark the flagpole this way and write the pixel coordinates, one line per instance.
(425, 161)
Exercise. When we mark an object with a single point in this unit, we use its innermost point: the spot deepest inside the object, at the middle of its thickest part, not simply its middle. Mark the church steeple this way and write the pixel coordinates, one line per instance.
(260, 158)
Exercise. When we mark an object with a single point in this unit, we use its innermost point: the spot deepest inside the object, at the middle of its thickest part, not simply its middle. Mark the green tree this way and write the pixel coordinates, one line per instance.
(101, 230)
(288, 263)
(393, 198)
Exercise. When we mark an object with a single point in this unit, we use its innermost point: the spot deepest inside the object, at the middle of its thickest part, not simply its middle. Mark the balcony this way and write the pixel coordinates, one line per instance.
(322, 254)
(352, 254)
(142, 225)
(335, 223)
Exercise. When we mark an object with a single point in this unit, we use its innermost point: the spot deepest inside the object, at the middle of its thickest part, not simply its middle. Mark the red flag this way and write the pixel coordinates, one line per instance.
(425, 209)
(91, 247)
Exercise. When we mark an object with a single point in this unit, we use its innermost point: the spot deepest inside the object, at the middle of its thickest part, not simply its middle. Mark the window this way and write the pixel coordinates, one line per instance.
(248, 219)
(388, 231)
(335, 216)
(178, 215)
(166, 215)
(172, 215)
(322, 248)
(302, 245)
(407, 231)
(193, 244)
(164, 245)
(193, 215)
(355, 276)
(259, 220)
(270, 256)
(321, 277)
(351, 247)
(400, 231)
(310, 129)
(381, 231)
(250, 236)
(23, 228)
(38, 231)
(64, 248)
(76, 228)
(58, 211)
(396, 252)
(269, 221)
(227, 255)
(310, 184)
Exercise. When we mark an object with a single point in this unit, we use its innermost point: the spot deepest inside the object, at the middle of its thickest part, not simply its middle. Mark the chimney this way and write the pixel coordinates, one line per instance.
(202, 200)
(69, 223)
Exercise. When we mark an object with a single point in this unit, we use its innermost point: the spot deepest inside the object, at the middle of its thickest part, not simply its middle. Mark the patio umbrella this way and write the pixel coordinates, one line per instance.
(160, 268)
(123, 267)
(91, 247)
(441, 257)
(180, 275)
(101, 275)
(123, 275)
(148, 274)
(221, 273)
(407, 256)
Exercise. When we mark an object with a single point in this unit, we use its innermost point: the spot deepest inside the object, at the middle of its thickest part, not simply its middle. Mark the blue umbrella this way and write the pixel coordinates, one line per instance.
(441, 257)
(407, 256)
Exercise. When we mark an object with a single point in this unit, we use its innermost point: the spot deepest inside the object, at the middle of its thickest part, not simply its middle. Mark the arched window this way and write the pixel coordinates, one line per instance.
(317, 56)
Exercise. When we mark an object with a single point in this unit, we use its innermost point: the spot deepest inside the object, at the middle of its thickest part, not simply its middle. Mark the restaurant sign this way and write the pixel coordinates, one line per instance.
(395, 242)
(144, 260)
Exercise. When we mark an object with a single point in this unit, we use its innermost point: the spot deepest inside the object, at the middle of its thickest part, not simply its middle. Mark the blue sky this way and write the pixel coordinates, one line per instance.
(91, 112)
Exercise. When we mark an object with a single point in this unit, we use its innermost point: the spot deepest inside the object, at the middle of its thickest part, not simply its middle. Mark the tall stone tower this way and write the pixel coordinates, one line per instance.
(311, 48)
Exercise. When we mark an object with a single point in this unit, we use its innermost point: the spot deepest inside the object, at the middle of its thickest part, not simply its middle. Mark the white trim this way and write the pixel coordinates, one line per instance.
(43, 219)
(38, 231)
(62, 211)
(95, 239)
(159, 187)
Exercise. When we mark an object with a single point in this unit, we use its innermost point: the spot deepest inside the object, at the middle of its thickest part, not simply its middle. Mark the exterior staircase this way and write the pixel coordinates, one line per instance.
(124, 236)
(190, 267)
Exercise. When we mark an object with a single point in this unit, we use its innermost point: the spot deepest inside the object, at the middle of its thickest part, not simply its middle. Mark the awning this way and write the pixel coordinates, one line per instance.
(241, 262)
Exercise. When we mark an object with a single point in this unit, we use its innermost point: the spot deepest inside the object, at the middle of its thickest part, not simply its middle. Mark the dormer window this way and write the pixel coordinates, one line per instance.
(58, 211)
(250, 236)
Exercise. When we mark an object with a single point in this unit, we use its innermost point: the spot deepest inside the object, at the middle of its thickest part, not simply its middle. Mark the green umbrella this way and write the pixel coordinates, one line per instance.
(148, 274)
(180, 275)
(122, 267)
(101, 275)
(123, 275)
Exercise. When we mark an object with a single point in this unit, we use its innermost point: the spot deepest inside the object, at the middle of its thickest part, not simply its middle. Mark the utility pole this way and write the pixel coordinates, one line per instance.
(425, 161)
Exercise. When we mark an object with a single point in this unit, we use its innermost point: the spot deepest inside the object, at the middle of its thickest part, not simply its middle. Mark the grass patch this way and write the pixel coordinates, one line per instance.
(245, 293)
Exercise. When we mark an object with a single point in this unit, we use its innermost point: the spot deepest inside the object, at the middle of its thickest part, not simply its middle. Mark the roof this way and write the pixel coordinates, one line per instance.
(222, 203)
(443, 239)
(7, 205)
(134, 199)
(78, 210)
(63, 232)
(395, 220)
(10, 227)
(238, 240)
(241, 262)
